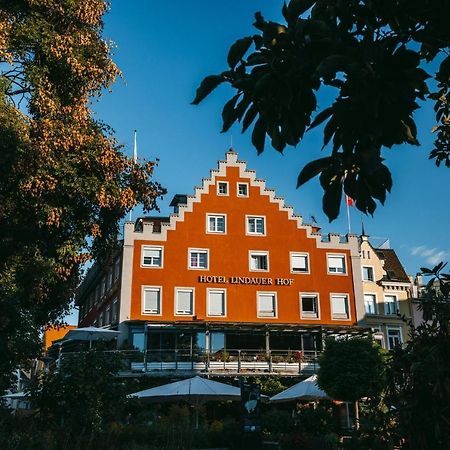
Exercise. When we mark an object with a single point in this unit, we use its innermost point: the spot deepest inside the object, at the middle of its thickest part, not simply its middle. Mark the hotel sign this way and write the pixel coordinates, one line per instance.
(246, 280)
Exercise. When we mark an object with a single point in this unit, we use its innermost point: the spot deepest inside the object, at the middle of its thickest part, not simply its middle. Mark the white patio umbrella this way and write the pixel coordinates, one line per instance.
(91, 334)
(305, 390)
(196, 391)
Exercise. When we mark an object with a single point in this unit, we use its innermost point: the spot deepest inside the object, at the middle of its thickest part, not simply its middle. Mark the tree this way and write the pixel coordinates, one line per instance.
(64, 182)
(370, 58)
(351, 369)
(418, 389)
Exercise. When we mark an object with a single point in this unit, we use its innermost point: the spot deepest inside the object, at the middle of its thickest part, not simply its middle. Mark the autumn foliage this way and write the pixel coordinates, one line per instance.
(64, 182)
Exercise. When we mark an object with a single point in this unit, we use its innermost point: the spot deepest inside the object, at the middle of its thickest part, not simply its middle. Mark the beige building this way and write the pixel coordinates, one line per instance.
(387, 294)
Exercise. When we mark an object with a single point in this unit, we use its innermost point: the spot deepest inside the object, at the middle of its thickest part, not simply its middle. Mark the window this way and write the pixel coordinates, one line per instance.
(336, 264)
(370, 303)
(109, 280)
(394, 337)
(198, 259)
(184, 301)
(256, 225)
(309, 306)
(242, 190)
(390, 304)
(339, 307)
(100, 319)
(299, 263)
(215, 223)
(367, 274)
(216, 302)
(259, 261)
(151, 303)
(152, 256)
(116, 269)
(222, 188)
(378, 336)
(108, 315)
(103, 287)
(267, 304)
(115, 311)
(97, 294)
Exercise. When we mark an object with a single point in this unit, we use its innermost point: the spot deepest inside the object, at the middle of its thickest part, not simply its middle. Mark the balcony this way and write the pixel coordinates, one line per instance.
(229, 362)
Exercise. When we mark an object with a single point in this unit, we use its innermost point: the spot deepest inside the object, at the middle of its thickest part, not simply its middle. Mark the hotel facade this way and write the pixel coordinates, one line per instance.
(233, 277)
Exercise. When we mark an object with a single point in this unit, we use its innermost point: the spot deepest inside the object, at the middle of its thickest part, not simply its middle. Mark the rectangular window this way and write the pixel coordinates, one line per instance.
(216, 223)
(242, 190)
(115, 311)
(377, 336)
(336, 264)
(151, 300)
(267, 304)
(216, 302)
(339, 307)
(309, 306)
(367, 273)
(198, 259)
(107, 315)
(100, 319)
(222, 188)
(390, 304)
(256, 225)
(394, 337)
(97, 294)
(152, 256)
(109, 280)
(184, 301)
(259, 261)
(299, 263)
(103, 287)
(116, 269)
(370, 303)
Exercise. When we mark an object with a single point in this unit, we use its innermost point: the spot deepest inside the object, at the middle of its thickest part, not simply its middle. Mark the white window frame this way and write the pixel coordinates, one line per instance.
(373, 273)
(216, 215)
(184, 289)
(400, 333)
(342, 256)
(258, 310)
(375, 305)
(378, 336)
(198, 250)
(152, 247)
(238, 185)
(153, 289)
(395, 303)
(208, 306)
(305, 254)
(308, 315)
(248, 217)
(335, 316)
(221, 194)
(258, 253)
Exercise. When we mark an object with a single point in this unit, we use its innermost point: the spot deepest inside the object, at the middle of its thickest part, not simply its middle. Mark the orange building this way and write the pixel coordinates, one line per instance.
(232, 270)
(53, 333)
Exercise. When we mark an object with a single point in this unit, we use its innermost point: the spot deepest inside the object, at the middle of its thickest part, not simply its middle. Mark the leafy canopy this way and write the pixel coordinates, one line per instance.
(351, 369)
(372, 56)
(64, 182)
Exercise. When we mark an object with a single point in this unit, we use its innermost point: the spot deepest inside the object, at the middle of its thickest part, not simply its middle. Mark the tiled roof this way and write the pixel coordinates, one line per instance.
(392, 266)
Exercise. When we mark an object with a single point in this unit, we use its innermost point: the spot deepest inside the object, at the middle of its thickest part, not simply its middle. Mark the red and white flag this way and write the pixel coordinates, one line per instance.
(349, 201)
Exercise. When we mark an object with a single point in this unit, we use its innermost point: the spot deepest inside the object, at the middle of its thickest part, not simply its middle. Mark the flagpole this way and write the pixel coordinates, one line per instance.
(134, 158)
(348, 215)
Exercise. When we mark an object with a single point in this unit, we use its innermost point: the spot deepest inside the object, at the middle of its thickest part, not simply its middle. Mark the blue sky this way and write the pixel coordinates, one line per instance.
(164, 49)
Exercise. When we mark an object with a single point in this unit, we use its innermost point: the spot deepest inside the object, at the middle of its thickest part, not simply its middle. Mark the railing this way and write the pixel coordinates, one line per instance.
(228, 361)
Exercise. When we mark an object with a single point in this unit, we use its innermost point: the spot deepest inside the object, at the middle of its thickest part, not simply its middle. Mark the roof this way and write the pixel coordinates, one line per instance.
(392, 266)
(179, 199)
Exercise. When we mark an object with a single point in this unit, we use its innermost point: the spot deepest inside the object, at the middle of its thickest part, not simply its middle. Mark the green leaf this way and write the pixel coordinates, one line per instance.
(330, 65)
(296, 8)
(331, 201)
(321, 117)
(259, 135)
(249, 117)
(238, 50)
(206, 87)
(228, 113)
(312, 169)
